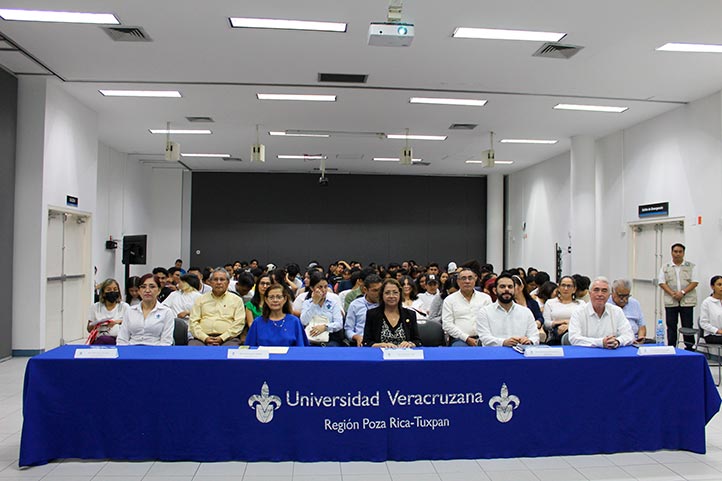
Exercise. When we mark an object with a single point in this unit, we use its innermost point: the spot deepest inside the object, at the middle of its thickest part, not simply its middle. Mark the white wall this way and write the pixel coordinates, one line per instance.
(57, 156)
(539, 197)
(676, 157)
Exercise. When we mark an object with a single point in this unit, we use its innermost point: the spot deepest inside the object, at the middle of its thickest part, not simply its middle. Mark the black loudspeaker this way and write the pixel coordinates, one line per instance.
(134, 249)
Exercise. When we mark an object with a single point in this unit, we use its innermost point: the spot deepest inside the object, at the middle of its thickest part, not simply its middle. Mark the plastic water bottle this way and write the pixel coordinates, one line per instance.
(659, 332)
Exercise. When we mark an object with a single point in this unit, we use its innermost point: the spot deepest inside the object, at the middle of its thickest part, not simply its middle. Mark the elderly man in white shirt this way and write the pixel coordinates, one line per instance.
(598, 323)
(505, 323)
(461, 309)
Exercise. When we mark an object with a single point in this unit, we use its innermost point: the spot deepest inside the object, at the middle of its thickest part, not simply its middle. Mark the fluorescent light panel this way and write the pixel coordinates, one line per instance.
(284, 134)
(305, 157)
(440, 101)
(500, 34)
(393, 159)
(415, 137)
(280, 24)
(59, 17)
(218, 156)
(141, 93)
(500, 162)
(180, 131)
(311, 98)
(528, 141)
(690, 47)
(591, 108)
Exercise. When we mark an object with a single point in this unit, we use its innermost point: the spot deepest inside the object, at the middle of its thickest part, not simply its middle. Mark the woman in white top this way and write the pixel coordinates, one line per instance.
(411, 299)
(107, 314)
(321, 314)
(181, 300)
(150, 323)
(710, 313)
(558, 311)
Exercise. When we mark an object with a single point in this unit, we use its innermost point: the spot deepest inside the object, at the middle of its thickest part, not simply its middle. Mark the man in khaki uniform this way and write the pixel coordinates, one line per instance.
(217, 317)
(678, 280)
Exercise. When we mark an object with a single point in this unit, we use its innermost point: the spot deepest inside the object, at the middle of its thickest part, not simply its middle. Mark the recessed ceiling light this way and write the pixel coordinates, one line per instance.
(312, 98)
(304, 157)
(415, 137)
(141, 93)
(219, 156)
(59, 17)
(286, 134)
(438, 101)
(591, 108)
(499, 34)
(393, 159)
(528, 141)
(690, 47)
(180, 131)
(280, 24)
(500, 162)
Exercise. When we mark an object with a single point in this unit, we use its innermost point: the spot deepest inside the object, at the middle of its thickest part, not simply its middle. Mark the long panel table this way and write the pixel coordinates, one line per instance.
(347, 404)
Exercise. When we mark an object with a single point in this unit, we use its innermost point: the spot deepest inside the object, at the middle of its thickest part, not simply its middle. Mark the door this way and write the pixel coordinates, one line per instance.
(68, 285)
(651, 244)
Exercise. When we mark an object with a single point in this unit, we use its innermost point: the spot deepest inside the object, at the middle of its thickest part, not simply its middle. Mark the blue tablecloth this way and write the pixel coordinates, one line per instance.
(348, 404)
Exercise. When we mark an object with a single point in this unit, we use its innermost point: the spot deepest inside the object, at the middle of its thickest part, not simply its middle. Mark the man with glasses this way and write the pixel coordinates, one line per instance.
(461, 309)
(218, 317)
(598, 323)
(630, 307)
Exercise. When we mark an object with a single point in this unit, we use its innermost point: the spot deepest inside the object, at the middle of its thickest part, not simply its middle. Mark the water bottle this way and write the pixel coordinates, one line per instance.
(659, 333)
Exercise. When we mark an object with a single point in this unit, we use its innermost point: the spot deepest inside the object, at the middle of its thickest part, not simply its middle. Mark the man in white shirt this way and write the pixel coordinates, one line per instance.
(461, 309)
(432, 291)
(506, 323)
(598, 323)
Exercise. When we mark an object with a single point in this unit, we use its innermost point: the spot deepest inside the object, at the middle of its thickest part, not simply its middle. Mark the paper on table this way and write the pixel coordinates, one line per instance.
(95, 353)
(273, 349)
(399, 354)
(247, 354)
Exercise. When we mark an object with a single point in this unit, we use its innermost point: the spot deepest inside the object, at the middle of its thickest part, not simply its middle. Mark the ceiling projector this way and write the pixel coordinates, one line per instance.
(391, 34)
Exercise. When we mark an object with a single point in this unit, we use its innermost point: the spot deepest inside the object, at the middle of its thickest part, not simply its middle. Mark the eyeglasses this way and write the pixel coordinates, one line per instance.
(264, 283)
(275, 298)
(567, 286)
(622, 296)
(147, 286)
(467, 278)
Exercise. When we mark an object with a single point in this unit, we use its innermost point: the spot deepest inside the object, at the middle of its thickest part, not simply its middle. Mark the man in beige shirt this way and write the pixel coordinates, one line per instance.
(217, 317)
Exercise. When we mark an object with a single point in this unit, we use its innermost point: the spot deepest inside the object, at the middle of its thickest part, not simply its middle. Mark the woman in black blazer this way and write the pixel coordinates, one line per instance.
(390, 324)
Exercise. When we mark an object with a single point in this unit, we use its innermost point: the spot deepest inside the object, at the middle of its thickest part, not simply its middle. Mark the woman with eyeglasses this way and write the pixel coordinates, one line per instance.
(106, 315)
(254, 307)
(276, 326)
(149, 323)
(558, 311)
(390, 325)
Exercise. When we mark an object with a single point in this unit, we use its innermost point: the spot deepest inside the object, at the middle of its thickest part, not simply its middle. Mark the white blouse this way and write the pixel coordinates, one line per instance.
(554, 310)
(180, 301)
(710, 315)
(99, 313)
(154, 330)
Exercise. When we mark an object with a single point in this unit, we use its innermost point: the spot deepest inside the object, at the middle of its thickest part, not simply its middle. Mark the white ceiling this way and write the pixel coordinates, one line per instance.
(219, 70)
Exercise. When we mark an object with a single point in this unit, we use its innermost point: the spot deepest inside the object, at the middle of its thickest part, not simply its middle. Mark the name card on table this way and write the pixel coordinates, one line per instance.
(96, 353)
(247, 354)
(543, 351)
(652, 350)
(403, 354)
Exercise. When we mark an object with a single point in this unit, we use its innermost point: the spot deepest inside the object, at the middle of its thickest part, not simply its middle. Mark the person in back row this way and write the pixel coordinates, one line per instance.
(218, 317)
(356, 315)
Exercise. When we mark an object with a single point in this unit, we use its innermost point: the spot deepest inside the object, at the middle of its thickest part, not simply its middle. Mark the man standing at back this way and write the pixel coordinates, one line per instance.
(460, 310)
(678, 280)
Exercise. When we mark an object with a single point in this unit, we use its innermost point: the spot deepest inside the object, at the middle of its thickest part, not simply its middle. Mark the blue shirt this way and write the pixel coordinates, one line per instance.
(633, 312)
(287, 332)
(356, 316)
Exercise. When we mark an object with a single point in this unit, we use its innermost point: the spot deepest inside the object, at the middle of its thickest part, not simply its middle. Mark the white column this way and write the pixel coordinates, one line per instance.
(582, 208)
(495, 221)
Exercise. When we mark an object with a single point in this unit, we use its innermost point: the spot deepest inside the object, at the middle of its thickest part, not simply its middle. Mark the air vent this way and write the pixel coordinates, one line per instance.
(557, 50)
(346, 78)
(127, 34)
(206, 120)
(463, 126)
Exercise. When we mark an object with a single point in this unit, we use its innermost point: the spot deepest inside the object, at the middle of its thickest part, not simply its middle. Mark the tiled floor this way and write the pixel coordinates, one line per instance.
(656, 466)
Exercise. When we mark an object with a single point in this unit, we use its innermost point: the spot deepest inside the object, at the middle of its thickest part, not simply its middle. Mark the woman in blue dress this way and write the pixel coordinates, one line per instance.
(276, 326)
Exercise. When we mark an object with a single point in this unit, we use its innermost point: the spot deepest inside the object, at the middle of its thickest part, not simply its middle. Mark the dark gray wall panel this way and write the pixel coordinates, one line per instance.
(8, 129)
(289, 217)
